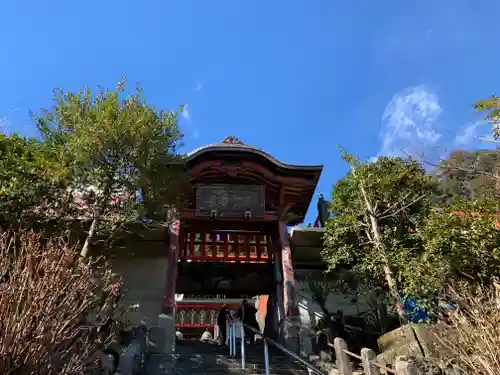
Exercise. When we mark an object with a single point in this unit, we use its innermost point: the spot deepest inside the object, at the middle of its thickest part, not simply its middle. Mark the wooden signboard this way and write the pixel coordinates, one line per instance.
(231, 201)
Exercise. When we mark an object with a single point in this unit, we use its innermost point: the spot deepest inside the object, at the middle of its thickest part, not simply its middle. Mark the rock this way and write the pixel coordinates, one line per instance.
(427, 367)
(206, 337)
(403, 341)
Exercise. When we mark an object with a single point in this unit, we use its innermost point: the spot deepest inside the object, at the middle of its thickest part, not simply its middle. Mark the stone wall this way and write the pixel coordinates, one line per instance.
(310, 312)
(144, 281)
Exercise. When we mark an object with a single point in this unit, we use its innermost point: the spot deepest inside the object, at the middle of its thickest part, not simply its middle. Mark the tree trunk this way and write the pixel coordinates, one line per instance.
(99, 207)
(389, 274)
(90, 237)
(387, 267)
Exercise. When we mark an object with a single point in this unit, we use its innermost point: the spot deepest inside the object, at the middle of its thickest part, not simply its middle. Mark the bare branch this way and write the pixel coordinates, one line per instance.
(368, 235)
(366, 243)
(467, 170)
(362, 224)
(396, 204)
(403, 207)
(489, 140)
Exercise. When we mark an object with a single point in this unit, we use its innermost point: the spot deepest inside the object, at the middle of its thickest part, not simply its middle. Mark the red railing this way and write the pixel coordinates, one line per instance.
(197, 315)
(225, 246)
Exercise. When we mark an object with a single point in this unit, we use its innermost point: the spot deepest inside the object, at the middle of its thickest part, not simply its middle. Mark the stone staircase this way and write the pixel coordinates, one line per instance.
(194, 357)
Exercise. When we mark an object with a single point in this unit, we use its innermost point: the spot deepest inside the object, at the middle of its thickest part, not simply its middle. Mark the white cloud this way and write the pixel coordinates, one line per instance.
(199, 86)
(467, 138)
(472, 131)
(4, 124)
(185, 113)
(191, 127)
(409, 123)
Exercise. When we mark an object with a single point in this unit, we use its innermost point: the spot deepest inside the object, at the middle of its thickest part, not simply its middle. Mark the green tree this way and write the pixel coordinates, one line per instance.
(475, 174)
(114, 146)
(462, 242)
(472, 174)
(491, 106)
(376, 211)
(32, 182)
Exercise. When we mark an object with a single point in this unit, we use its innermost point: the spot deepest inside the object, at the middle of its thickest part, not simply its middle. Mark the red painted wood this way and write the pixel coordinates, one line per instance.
(195, 326)
(242, 257)
(192, 236)
(246, 168)
(236, 245)
(247, 247)
(226, 246)
(258, 246)
(268, 217)
(289, 293)
(203, 245)
(214, 245)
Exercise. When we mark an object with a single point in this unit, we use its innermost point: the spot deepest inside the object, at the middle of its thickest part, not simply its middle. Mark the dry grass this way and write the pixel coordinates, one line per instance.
(471, 340)
(56, 312)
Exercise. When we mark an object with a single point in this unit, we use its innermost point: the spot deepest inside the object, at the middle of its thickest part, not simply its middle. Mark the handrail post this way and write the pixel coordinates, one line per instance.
(266, 357)
(233, 331)
(243, 359)
(230, 339)
(311, 368)
(342, 359)
(368, 356)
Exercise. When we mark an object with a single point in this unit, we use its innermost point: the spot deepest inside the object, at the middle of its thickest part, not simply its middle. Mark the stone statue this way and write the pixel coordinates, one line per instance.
(323, 207)
(232, 140)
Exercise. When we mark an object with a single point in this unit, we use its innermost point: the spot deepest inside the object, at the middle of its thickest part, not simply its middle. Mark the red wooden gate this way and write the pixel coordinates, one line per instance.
(225, 246)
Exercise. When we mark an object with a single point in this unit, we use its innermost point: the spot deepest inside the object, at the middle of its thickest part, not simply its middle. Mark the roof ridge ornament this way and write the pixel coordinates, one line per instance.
(232, 140)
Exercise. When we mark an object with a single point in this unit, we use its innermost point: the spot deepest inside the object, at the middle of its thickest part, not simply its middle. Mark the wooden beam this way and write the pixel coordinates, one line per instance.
(190, 214)
(282, 195)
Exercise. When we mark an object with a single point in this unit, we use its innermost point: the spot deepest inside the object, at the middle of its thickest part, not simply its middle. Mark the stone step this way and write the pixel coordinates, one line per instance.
(240, 371)
(202, 358)
(235, 362)
(178, 370)
(238, 365)
(155, 368)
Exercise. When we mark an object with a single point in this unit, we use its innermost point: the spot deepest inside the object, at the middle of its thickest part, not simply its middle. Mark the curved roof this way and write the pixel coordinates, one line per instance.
(233, 144)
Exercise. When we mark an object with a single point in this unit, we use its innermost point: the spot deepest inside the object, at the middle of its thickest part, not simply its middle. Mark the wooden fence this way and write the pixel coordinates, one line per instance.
(368, 361)
(367, 358)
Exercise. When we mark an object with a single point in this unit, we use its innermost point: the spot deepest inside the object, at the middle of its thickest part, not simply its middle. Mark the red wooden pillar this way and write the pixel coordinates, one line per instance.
(173, 256)
(292, 317)
(289, 292)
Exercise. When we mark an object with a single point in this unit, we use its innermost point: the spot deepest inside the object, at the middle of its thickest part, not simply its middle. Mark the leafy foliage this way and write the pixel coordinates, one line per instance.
(114, 148)
(491, 106)
(32, 182)
(379, 315)
(471, 174)
(319, 292)
(401, 194)
(462, 241)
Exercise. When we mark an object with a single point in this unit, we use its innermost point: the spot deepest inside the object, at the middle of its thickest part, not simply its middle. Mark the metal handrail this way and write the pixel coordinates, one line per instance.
(266, 339)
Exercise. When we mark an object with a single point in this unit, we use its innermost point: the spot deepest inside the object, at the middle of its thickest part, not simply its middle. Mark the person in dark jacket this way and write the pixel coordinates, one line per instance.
(221, 322)
(246, 313)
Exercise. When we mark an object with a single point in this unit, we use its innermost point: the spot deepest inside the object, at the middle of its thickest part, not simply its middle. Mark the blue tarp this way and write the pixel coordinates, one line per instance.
(416, 312)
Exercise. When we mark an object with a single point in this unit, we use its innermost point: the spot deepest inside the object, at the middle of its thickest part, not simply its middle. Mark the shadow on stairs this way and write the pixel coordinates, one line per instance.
(202, 358)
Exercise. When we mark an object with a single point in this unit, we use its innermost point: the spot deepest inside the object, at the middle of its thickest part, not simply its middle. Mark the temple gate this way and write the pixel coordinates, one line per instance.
(231, 241)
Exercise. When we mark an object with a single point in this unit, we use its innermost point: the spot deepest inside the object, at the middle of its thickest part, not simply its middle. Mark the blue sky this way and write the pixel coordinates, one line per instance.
(295, 78)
